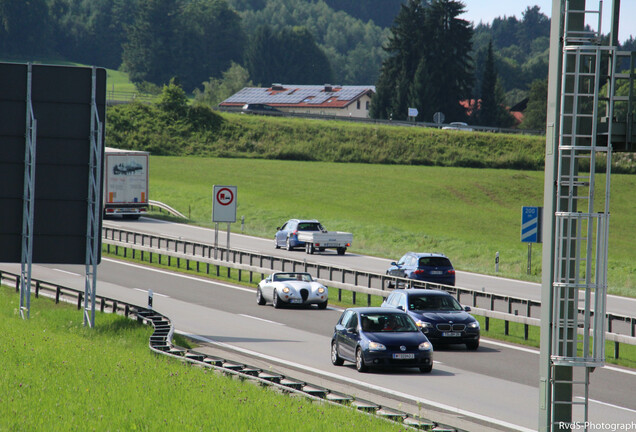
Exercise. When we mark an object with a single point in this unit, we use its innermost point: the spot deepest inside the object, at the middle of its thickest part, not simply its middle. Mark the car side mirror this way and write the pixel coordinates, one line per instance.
(352, 330)
(400, 307)
(467, 308)
(277, 228)
(393, 263)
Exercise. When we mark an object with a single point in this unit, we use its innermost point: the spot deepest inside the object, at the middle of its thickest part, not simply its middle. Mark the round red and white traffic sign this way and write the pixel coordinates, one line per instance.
(225, 196)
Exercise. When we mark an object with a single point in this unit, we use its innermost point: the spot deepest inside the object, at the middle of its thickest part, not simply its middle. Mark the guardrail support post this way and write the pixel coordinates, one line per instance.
(616, 350)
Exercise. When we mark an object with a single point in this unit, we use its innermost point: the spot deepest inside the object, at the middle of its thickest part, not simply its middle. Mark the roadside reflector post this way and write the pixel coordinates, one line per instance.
(150, 299)
(497, 262)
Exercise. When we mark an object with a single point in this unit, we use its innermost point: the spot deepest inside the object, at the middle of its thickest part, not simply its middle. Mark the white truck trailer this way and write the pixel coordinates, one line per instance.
(125, 183)
(321, 240)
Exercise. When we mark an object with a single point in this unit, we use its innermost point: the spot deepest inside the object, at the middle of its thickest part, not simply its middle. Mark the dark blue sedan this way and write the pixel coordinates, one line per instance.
(423, 266)
(438, 314)
(380, 337)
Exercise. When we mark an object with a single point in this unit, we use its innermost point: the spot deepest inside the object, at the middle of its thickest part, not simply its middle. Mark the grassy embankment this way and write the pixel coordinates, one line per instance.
(59, 375)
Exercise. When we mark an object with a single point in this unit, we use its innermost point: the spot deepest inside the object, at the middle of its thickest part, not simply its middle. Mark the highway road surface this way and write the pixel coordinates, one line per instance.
(494, 388)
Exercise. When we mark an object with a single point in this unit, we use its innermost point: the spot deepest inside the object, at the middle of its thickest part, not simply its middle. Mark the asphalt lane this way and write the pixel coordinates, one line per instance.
(498, 382)
(493, 284)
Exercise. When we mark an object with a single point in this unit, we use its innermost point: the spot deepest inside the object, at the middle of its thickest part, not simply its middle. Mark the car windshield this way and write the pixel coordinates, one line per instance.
(382, 322)
(433, 303)
(434, 262)
(309, 226)
(282, 277)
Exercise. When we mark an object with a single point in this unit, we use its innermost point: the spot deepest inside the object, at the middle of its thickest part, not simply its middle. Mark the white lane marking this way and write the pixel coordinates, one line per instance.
(515, 347)
(203, 280)
(261, 319)
(537, 352)
(365, 384)
(67, 272)
(154, 293)
(608, 404)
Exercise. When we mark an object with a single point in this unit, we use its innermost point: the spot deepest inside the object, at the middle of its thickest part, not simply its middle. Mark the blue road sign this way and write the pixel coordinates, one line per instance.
(531, 224)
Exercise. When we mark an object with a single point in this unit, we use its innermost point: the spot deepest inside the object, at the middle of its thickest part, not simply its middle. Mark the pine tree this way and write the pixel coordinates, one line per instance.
(486, 113)
(428, 62)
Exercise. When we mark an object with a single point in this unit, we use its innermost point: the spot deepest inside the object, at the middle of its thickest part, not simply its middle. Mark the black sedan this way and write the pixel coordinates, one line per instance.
(380, 337)
(438, 314)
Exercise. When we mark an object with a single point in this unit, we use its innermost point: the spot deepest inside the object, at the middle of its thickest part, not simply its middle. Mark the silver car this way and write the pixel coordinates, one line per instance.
(294, 288)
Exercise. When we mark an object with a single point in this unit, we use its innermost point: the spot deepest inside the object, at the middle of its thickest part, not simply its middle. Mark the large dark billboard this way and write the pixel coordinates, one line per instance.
(61, 98)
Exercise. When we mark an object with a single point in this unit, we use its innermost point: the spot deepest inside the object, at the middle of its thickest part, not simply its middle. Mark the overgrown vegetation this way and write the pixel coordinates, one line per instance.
(174, 128)
(57, 372)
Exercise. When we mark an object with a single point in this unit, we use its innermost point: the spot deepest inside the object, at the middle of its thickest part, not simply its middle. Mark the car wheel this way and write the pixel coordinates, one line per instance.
(426, 369)
(288, 245)
(335, 358)
(276, 301)
(323, 305)
(276, 244)
(341, 250)
(310, 248)
(259, 297)
(473, 345)
(389, 284)
(360, 366)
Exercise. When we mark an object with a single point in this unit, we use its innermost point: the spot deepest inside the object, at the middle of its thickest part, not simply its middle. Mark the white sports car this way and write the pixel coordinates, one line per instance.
(291, 288)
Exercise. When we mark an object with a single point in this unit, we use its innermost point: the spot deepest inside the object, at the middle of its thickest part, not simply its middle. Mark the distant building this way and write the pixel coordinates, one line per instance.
(340, 101)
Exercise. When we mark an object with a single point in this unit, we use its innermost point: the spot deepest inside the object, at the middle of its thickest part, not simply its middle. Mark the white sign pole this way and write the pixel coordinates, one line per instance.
(228, 241)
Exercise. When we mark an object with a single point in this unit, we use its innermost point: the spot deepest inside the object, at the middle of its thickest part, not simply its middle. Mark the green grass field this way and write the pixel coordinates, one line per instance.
(468, 214)
(59, 375)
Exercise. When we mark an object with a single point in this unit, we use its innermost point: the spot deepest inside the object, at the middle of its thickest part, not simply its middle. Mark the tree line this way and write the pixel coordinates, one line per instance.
(418, 53)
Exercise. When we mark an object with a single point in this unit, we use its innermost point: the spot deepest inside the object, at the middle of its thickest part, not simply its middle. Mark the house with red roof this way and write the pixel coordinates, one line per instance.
(327, 99)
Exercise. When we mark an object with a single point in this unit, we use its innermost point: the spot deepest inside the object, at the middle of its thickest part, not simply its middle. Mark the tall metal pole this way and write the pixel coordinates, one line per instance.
(549, 206)
(28, 201)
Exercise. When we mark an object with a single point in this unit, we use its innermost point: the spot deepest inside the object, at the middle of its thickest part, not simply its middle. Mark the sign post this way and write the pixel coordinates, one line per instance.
(412, 113)
(223, 210)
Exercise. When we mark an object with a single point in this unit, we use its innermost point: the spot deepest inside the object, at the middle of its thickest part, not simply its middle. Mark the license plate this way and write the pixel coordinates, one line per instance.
(403, 356)
(436, 272)
(295, 301)
(451, 334)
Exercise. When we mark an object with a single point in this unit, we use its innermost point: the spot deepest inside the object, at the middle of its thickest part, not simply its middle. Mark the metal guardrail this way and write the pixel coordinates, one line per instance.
(160, 342)
(167, 208)
(366, 283)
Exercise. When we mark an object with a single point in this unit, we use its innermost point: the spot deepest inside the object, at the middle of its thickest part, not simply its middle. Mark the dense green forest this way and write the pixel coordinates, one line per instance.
(292, 41)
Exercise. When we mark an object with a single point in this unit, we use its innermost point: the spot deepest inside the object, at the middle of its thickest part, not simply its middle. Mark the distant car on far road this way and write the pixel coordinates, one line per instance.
(458, 126)
(259, 108)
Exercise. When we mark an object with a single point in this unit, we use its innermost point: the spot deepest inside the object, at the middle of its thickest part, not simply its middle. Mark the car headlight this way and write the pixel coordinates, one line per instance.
(321, 290)
(286, 290)
(425, 346)
(474, 325)
(375, 346)
(424, 325)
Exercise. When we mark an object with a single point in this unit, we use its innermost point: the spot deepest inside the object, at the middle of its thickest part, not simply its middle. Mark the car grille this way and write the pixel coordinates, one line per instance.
(449, 327)
(304, 293)
(396, 348)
